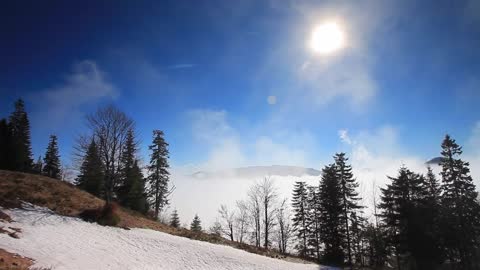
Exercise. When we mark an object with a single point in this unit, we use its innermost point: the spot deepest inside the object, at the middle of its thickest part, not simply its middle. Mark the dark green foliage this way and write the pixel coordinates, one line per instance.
(51, 161)
(399, 205)
(314, 222)
(461, 210)
(196, 224)
(131, 189)
(19, 125)
(350, 198)
(158, 172)
(332, 227)
(410, 213)
(92, 175)
(6, 151)
(106, 215)
(300, 210)
(175, 220)
(376, 246)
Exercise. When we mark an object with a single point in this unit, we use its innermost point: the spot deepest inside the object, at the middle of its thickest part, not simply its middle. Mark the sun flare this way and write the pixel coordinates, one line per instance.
(327, 38)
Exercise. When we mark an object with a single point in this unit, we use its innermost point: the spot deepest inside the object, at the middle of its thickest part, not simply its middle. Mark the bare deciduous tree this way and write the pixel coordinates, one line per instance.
(109, 128)
(242, 220)
(284, 226)
(254, 208)
(268, 195)
(228, 219)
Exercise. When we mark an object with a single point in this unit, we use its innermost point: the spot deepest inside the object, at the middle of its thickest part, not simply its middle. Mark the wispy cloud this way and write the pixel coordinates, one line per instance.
(181, 66)
(86, 84)
(228, 148)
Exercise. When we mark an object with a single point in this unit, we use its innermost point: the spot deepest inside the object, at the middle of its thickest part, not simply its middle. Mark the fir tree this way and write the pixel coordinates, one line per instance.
(300, 210)
(158, 172)
(461, 217)
(51, 161)
(5, 146)
(20, 138)
(402, 215)
(137, 197)
(332, 226)
(175, 220)
(314, 221)
(91, 177)
(350, 197)
(196, 224)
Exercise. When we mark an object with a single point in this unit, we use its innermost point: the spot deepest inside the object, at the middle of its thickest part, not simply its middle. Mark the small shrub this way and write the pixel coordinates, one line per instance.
(90, 215)
(109, 215)
(106, 216)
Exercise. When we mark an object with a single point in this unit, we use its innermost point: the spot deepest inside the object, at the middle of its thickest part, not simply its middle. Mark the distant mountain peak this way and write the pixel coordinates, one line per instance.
(434, 161)
(259, 171)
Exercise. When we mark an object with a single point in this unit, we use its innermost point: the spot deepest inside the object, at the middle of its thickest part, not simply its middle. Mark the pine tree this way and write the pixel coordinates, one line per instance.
(92, 177)
(5, 146)
(402, 215)
(332, 226)
(175, 220)
(137, 197)
(461, 210)
(350, 197)
(426, 245)
(196, 224)
(158, 172)
(20, 138)
(300, 210)
(51, 161)
(314, 215)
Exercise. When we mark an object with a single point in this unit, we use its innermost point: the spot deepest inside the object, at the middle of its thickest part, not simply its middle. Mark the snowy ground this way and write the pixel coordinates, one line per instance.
(69, 243)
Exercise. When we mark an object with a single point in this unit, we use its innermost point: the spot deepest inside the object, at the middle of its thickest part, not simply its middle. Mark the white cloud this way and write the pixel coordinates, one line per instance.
(86, 84)
(181, 66)
(343, 134)
(228, 149)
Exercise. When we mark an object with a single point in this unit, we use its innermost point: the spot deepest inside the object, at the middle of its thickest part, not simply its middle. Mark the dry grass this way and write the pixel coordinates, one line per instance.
(10, 261)
(65, 199)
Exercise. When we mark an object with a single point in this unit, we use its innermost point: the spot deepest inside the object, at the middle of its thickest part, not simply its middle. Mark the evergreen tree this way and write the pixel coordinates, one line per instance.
(403, 215)
(350, 197)
(158, 172)
(38, 166)
(196, 224)
(5, 146)
(300, 210)
(51, 161)
(137, 197)
(314, 221)
(461, 210)
(20, 138)
(131, 187)
(332, 226)
(91, 177)
(175, 220)
(429, 247)
(376, 246)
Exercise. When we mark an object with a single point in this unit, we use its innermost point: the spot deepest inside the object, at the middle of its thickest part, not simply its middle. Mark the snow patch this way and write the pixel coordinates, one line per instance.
(69, 243)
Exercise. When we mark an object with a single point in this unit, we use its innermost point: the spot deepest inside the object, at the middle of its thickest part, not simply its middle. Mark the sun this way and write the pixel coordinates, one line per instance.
(327, 38)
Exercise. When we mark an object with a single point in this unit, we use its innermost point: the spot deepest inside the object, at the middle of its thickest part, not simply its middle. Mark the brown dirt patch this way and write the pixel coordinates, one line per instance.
(11, 261)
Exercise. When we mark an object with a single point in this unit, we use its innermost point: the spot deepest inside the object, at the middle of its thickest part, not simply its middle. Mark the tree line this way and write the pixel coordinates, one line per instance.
(421, 221)
(109, 166)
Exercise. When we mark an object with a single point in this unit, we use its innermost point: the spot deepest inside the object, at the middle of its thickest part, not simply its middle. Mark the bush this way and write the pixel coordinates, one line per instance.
(109, 215)
(106, 216)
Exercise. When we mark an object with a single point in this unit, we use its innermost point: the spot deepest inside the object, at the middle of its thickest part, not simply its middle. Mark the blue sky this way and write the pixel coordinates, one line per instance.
(202, 72)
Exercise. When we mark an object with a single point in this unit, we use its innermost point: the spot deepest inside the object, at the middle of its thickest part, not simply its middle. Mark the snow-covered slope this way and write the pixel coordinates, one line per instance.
(69, 243)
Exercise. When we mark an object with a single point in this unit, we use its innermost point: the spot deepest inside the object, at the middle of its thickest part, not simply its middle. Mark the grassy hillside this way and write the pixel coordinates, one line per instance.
(65, 199)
